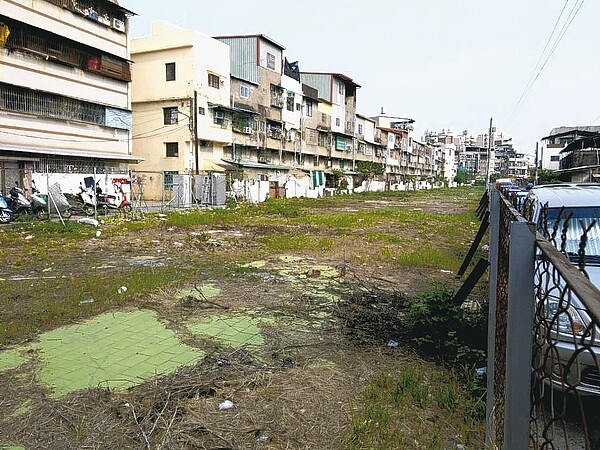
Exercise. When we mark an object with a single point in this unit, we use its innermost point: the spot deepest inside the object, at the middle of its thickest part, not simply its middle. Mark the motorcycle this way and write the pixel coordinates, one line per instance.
(6, 214)
(83, 202)
(19, 204)
(39, 207)
(108, 201)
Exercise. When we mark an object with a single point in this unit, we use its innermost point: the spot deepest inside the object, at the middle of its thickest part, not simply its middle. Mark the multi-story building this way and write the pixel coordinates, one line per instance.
(64, 91)
(182, 119)
(549, 152)
(337, 97)
(260, 145)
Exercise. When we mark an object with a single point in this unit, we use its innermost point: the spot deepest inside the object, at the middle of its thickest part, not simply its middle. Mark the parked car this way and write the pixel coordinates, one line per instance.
(549, 206)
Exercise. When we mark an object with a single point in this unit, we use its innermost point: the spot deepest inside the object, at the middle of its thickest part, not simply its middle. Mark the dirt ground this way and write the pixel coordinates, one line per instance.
(295, 388)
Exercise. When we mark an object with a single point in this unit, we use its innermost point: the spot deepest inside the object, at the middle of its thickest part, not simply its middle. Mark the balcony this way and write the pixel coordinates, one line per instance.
(59, 50)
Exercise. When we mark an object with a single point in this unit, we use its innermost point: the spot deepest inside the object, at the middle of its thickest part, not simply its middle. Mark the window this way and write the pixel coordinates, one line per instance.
(360, 129)
(309, 108)
(337, 121)
(323, 139)
(270, 61)
(555, 158)
(201, 110)
(214, 81)
(298, 106)
(341, 88)
(172, 149)
(219, 117)
(168, 181)
(170, 71)
(170, 116)
(323, 118)
(290, 102)
(244, 91)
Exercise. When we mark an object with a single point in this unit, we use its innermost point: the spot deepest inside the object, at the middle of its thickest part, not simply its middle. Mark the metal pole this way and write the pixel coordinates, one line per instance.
(537, 146)
(489, 154)
(194, 119)
(519, 335)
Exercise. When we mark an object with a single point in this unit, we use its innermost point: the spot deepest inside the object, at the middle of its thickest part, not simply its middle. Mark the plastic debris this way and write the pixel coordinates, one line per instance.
(122, 289)
(392, 344)
(86, 301)
(88, 221)
(313, 273)
(481, 371)
(28, 238)
(98, 233)
(227, 404)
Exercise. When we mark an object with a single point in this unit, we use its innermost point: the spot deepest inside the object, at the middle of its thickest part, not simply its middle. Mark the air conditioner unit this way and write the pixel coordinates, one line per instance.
(328, 163)
(118, 25)
(247, 130)
(349, 148)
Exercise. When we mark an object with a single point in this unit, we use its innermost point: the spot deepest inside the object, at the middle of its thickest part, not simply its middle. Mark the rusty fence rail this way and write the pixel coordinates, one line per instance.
(543, 338)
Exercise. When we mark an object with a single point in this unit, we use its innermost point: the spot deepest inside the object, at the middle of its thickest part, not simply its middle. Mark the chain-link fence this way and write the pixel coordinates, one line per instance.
(544, 349)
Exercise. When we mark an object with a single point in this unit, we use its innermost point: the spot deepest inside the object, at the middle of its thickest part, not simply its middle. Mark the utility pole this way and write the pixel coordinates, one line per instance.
(537, 147)
(194, 119)
(489, 154)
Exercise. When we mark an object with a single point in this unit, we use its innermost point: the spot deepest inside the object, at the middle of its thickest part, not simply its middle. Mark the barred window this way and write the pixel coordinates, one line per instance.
(17, 99)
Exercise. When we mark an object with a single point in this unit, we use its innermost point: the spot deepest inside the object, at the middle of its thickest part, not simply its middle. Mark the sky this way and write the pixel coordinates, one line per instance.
(448, 64)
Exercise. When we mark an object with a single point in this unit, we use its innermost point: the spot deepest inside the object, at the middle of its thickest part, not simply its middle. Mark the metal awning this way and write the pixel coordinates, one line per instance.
(111, 156)
(257, 165)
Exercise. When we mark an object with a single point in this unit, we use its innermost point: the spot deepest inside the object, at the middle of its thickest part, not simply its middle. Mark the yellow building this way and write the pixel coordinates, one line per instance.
(181, 112)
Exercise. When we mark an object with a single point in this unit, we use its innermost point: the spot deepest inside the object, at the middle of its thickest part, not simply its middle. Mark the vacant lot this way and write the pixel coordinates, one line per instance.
(277, 326)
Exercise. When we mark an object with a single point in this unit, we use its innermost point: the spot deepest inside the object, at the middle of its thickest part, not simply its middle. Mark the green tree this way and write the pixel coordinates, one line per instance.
(547, 176)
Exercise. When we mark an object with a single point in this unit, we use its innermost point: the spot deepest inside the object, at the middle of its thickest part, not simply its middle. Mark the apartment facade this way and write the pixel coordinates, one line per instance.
(65, 105)
(181, 106)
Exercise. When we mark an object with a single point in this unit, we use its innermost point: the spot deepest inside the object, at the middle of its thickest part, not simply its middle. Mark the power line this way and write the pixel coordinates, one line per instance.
(535, 75)
(139, 136)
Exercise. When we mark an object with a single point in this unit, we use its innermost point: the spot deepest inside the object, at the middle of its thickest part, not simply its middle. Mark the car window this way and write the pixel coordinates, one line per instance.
(578, 219)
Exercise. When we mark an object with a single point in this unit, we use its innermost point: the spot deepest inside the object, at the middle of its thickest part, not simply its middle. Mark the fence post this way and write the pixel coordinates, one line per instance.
(494, 243)
(519, 335)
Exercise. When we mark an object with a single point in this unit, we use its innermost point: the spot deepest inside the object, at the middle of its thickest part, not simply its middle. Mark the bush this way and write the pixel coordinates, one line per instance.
(443, 329)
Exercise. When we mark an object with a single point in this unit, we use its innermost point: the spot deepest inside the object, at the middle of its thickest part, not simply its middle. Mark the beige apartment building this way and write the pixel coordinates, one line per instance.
(64, 92)
(181, 106)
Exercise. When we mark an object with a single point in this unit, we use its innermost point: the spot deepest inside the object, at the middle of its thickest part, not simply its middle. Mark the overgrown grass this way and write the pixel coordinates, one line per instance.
(420, 406)
(290, 242)
(35, 305)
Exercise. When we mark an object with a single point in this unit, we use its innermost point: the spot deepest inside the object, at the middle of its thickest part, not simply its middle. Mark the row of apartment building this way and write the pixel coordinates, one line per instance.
(78, 97)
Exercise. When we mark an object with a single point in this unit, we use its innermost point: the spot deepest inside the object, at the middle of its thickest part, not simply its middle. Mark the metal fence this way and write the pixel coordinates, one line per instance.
(543, 339)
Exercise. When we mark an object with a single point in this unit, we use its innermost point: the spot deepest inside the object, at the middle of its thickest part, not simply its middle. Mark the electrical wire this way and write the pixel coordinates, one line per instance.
(539, 69)
(139, 136)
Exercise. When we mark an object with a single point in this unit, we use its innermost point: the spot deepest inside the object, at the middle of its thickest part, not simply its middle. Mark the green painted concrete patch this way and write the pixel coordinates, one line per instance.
(11, 359)
(116, 350)
(235, 331)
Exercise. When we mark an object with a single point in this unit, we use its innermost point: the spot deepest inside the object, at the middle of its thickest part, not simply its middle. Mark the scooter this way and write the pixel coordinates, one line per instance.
(18, 202)
(108, 201)
(38, 204)
(83, 202)
(6, 214)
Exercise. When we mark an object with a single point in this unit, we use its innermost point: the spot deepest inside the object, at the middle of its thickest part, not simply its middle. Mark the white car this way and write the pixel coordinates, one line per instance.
(549, 206)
